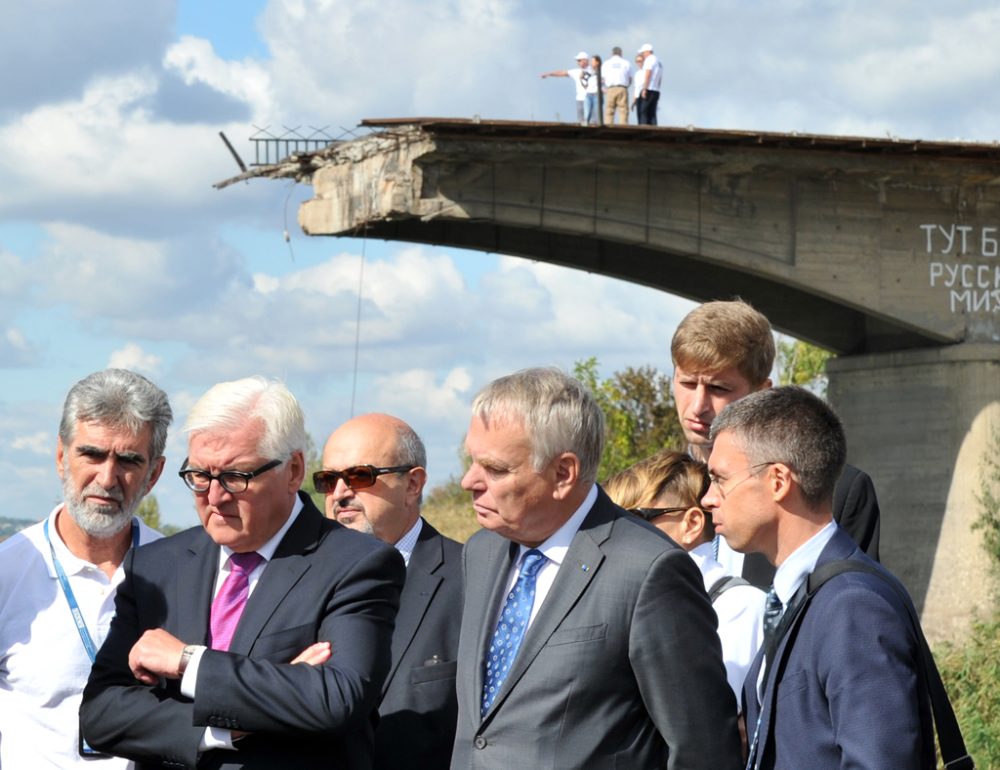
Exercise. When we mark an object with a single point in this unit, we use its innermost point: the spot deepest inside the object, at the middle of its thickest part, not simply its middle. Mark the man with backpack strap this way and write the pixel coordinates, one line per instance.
(844, 686)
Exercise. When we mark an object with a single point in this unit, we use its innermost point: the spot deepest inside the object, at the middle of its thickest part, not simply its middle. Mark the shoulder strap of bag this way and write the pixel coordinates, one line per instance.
(724, 583)
(953, 751)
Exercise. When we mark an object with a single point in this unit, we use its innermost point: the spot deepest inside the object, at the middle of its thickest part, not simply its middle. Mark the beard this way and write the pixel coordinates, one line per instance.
(100, 521)
(361, 521)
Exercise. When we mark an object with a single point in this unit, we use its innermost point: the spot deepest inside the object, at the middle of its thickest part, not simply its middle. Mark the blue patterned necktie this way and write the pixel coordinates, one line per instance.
(510, 628)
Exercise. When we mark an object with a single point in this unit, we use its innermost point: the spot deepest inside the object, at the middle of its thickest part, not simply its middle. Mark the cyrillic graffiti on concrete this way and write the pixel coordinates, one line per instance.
(972, 286)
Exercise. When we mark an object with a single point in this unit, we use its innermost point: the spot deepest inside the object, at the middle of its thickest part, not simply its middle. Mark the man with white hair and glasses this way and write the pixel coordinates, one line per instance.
(199, 668)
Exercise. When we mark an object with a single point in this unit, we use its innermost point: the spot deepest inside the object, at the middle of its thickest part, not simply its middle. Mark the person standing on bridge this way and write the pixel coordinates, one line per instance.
(581, 76)
(616, 77)
(651, 77)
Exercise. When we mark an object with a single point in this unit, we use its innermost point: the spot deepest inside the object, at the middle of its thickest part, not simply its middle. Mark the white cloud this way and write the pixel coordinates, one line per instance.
(195, 60)
(135, 358)
(134, 282)
(419, 392)
(39, 443)
(50, 50)
(341, 60)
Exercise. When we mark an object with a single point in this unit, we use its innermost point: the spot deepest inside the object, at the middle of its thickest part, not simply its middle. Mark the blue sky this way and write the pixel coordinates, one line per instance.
(116, 250)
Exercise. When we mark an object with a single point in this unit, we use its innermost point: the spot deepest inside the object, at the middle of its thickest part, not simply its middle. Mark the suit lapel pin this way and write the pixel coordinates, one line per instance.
(585, 567)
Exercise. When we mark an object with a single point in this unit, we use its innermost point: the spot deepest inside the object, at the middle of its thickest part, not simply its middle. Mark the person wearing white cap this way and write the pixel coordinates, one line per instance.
(650, 77)
(581, 76)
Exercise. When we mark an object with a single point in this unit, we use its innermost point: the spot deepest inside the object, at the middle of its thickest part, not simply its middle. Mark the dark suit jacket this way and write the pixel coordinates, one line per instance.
(621, 668)
(416, 728)
(848, 691)
(325, 583)
(855, 509)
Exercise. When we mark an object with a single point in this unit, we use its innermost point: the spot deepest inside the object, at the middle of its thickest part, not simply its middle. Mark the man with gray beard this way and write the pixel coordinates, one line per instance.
(58, 578)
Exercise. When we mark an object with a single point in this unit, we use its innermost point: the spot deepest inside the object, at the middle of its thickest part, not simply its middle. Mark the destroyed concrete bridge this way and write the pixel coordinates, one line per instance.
(883, 250)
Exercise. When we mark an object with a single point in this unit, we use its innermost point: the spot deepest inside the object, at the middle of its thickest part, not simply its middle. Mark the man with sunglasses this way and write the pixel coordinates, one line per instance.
(199, 668)
(373, 477)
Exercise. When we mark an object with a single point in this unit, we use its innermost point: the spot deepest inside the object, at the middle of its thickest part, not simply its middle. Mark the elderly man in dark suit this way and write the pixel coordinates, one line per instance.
(198, 667)
(374, 470)
(587, 639)
(839, 684)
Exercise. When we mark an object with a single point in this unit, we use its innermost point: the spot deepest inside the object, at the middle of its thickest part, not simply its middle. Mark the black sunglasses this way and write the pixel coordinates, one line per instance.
(651, 513)
(356, 477)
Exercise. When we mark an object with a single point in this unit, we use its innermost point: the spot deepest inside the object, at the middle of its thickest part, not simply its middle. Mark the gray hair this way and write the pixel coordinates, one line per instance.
(557, 411)
(118, 398)
(230, 405)
(410, 451)
(792, 426)
(409, 448)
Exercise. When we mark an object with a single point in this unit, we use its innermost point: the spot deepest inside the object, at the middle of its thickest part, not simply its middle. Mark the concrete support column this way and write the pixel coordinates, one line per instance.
(920, 423)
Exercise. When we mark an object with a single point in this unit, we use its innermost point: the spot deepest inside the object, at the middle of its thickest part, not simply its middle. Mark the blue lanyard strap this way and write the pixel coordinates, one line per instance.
(74, 608)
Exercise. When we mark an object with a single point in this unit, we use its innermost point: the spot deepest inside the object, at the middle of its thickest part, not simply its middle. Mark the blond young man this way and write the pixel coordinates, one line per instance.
(723, 351)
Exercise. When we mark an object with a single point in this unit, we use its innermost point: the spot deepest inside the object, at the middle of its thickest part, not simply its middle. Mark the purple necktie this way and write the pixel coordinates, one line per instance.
(232, 598)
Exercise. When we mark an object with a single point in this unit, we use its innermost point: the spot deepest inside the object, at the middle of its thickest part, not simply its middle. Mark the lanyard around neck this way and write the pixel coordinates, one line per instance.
(74, 608)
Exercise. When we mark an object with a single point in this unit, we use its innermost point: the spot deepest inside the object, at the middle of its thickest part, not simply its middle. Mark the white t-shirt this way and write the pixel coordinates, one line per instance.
(43, 663)
(585, 81)
(616, 72)
(653, 66)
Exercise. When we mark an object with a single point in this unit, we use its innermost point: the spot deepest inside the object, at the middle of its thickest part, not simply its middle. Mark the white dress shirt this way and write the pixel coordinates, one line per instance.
(740, 610)
(554, 549)
(215, 737)
(793, 572)
(43, 663)
(731, 561)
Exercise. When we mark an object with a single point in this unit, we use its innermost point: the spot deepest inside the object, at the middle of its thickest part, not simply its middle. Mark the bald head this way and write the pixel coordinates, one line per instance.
(390, 507)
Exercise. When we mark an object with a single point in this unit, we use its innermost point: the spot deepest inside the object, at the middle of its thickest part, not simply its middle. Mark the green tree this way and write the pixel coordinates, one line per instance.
(639, 410)
(449, 507)
(149, 512)
(971, 669)
(989, 498)
(314, 462)
(803, 364)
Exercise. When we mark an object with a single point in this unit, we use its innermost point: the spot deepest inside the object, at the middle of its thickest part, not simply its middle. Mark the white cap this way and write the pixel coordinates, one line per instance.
(647, 48)
(582, 55)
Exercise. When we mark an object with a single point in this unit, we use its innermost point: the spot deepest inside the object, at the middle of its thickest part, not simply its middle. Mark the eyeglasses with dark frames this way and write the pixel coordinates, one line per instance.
(234, 482)
(649, 514)
(355, 477)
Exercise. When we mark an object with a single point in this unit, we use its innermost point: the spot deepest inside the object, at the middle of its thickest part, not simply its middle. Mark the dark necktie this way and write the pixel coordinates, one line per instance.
(772, 619)
(232, 598)
(510, 628)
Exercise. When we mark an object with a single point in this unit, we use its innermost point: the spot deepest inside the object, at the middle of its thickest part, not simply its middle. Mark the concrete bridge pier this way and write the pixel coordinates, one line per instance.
(922, 423)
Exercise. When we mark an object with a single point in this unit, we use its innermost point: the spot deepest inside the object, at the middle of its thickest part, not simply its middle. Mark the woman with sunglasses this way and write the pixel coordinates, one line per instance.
(665, 490)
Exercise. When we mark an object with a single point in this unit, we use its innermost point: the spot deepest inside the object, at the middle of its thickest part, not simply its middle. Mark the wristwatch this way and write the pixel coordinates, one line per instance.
(186, 654)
